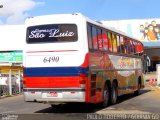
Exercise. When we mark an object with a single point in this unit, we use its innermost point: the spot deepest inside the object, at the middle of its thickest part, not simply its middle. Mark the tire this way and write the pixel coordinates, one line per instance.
(114, 94)
(136, 93)
(56, 105)
(106, 96)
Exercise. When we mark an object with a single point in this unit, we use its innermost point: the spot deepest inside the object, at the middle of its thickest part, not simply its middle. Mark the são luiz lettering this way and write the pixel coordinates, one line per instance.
(52, 33)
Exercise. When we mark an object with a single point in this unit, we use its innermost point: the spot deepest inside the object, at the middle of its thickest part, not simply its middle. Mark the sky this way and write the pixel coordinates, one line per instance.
(16, 11)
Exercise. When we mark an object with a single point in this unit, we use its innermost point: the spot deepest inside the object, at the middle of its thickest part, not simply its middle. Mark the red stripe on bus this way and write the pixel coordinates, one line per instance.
(52, 82)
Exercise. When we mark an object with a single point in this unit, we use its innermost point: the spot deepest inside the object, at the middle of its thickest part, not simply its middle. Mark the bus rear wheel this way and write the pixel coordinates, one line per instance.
(114, 94)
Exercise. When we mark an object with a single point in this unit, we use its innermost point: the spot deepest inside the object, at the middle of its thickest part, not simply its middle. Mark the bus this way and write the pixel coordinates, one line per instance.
(69, 58)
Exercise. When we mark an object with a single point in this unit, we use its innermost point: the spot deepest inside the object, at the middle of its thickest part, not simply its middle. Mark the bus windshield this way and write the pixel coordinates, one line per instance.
(52, 33)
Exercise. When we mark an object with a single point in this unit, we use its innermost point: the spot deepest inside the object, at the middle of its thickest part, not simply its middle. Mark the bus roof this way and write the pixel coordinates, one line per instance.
(40, 20)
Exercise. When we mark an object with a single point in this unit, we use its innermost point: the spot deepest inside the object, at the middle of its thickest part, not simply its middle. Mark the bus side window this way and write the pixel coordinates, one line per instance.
(132, 47)
(142, 48)
(136, 48)
(114, 42)
(105, 40)
(118, 43)
(90, 45)
(128, 46)
(139, 48)
(94, 38)
(121, 48)
(109, 41)
(100, 45)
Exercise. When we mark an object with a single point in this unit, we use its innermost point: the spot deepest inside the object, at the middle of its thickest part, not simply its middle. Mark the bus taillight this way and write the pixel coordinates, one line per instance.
(82, 80)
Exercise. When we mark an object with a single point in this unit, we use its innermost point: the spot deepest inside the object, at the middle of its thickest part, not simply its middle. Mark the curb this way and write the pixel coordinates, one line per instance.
(7, 96)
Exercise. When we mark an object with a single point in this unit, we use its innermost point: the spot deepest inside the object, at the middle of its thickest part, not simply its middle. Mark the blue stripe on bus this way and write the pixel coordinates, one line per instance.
(54, 71)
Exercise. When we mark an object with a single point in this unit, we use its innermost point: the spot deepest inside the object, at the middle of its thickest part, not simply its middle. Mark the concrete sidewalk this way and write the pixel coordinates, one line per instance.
(7, 96)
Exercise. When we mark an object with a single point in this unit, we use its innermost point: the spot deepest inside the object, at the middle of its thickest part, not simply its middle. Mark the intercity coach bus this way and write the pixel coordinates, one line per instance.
(71, 58)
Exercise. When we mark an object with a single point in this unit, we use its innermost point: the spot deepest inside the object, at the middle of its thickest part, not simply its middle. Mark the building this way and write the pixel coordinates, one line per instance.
(12, 39)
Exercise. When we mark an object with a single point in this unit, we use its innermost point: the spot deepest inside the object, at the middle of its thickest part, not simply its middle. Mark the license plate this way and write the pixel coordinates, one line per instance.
(52, 95)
